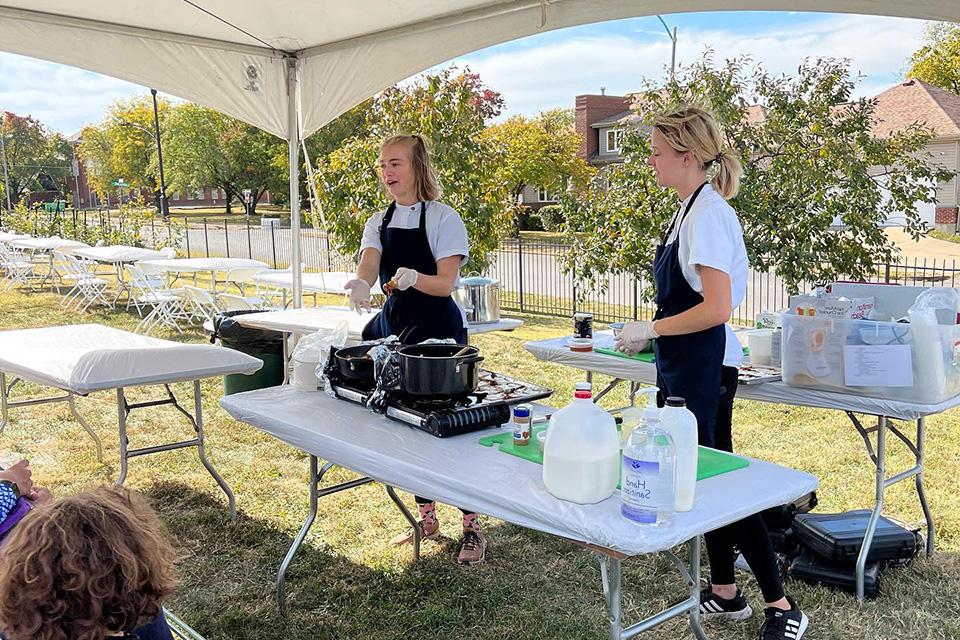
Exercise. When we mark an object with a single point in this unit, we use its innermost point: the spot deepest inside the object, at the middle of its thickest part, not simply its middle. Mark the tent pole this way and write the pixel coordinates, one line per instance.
(293, 147)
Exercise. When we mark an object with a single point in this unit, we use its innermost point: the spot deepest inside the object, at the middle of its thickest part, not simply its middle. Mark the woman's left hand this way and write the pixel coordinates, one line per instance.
(405, 278)
(635, 337)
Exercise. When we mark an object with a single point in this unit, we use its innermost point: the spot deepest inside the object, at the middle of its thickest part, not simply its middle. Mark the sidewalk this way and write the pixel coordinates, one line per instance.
(926, 247)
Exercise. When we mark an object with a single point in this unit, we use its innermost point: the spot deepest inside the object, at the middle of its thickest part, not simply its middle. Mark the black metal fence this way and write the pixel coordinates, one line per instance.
(532, 272)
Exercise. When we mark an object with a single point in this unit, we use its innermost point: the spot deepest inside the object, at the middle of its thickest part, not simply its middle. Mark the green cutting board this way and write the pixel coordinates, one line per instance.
(710, 462)
(645, 356)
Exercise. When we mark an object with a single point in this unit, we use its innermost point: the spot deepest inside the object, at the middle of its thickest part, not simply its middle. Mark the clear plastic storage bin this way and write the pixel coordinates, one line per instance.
(917, 362)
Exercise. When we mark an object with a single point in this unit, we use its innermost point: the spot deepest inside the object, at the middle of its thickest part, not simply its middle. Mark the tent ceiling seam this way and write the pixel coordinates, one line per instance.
(38, 17)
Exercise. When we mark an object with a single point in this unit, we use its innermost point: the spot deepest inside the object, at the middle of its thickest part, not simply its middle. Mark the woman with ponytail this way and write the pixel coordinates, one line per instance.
(700, 271)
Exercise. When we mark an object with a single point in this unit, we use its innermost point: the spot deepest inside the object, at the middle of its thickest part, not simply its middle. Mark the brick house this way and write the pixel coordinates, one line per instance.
(84, 196)
(598, 119)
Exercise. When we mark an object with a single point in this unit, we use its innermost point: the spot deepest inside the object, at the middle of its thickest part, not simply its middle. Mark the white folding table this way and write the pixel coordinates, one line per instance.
(311, 319)
(204, 265)
(459, 471)
(46, 246)
(82, 359)
(634, 371)
(118, 256)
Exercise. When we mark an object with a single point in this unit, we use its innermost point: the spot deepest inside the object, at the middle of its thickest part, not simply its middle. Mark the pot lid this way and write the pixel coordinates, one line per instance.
(478, 281)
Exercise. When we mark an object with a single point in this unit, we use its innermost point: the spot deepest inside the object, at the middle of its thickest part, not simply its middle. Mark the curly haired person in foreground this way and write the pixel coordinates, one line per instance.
(90, 566)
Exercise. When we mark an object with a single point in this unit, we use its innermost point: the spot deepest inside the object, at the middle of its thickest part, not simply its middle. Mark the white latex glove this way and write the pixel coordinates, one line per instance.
(359, 294)
(405, 278)
(635, 337)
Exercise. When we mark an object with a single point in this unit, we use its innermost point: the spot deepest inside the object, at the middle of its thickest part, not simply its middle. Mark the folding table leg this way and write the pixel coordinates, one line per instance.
(918, 480)
(878, 504)
(4, 410)
(315, 494)
(409, 516)
(202, 451)
(86, 427)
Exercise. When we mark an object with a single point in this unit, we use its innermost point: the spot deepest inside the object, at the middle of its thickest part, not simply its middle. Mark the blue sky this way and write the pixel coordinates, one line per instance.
(549, 70)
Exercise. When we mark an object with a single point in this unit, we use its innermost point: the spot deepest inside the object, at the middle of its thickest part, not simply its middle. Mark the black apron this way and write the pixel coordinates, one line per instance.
(420, 315)
(688, 365)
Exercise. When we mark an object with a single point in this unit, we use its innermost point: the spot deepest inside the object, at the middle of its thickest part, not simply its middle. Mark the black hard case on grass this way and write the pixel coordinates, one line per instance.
(781, 517)
(838, 537)
(810, 567)
(779, 521)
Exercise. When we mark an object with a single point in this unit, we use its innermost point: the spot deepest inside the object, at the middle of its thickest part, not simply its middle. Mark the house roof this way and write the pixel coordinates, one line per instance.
(916, 101)
(614, 120)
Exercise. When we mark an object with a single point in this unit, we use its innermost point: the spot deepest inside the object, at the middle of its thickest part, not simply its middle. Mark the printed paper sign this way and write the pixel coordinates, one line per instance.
(878, 366)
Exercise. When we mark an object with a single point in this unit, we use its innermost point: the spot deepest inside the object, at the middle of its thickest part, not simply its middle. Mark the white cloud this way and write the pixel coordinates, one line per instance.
(537, 78)
(63, 98)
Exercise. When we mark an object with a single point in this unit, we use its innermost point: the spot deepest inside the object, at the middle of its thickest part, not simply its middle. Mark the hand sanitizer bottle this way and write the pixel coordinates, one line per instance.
(647, 480)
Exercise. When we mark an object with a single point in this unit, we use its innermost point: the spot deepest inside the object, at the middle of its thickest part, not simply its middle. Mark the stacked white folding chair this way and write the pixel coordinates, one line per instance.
(232, 302)
(16, 268)
(203, 304)
(87, 288)
(142, 282)
(240, 278)
(167, 305)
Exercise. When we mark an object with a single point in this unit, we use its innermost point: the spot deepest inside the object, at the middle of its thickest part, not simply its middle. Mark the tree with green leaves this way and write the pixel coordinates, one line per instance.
(938, 60)
(37, 160)
(540, 152)
(450, 110)
(124, 146)
(809, 158)
(205, 148)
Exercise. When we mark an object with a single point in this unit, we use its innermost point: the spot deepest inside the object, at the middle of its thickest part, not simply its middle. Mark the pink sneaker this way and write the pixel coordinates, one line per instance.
(473, 549)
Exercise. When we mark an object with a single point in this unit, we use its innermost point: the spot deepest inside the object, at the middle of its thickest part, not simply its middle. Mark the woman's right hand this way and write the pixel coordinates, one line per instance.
(20, 475)
(359, 294)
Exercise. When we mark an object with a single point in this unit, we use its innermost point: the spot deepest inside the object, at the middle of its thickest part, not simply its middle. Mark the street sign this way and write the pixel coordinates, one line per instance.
(119, 183)
(248, 196)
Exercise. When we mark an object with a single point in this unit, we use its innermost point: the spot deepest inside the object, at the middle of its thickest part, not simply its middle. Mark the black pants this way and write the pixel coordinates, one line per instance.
(420, 501)
(749, 534)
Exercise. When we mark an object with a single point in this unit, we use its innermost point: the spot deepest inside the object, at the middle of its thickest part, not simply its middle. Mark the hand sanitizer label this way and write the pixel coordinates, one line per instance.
(638, 490)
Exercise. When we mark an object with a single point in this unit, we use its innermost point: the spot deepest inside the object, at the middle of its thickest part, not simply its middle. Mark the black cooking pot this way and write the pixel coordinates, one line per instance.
(355, 363)
(431, 371)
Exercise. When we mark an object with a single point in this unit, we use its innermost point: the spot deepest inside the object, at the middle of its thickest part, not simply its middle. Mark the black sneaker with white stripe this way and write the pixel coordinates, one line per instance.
(784, 625)
(715, 607)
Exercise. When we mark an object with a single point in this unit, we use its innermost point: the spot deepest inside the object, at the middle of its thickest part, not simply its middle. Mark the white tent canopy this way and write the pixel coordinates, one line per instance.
(291, 66)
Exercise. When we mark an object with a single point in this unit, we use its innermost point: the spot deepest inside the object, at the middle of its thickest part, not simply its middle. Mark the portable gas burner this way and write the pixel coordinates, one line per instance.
(488, 406)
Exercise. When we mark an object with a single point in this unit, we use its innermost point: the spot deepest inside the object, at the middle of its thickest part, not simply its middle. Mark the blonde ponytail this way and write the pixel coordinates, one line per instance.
(692, 129)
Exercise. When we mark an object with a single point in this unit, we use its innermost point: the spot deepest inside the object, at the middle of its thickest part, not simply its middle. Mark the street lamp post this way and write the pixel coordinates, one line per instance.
(162, 205)
(673, 52)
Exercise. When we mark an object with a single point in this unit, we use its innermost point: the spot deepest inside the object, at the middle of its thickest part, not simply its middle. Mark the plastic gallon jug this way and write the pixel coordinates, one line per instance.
(581, 457)
(681, 424)
(647, 485)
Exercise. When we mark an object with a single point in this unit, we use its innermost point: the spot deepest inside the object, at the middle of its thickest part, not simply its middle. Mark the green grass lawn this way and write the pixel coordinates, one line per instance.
(347, 582)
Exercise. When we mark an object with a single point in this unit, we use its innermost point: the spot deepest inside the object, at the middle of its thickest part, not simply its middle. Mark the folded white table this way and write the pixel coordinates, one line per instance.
(82, 359)
(311, 281)
(635, 371)
(459, 471)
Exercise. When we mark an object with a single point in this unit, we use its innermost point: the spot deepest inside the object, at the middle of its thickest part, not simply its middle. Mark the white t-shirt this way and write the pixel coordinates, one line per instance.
(711, 236)
(446, 233)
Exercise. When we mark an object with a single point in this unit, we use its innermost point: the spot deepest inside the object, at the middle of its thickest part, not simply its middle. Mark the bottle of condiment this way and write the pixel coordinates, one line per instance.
(521, 425)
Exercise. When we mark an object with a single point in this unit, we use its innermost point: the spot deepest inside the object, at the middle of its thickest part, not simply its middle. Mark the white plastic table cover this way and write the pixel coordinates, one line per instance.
(556, 350)
(117, 254)
(311, 281)
(461, 472)
(6, 236)
(311, 319)
(200, 265)
(85, 358)
(46, 244)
